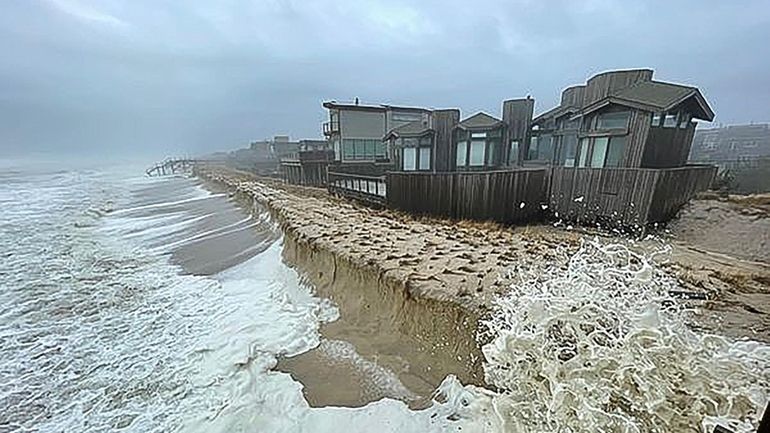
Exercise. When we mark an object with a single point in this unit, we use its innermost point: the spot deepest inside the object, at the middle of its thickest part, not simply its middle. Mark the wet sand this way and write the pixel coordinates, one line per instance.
(220, 232)
(420, 270)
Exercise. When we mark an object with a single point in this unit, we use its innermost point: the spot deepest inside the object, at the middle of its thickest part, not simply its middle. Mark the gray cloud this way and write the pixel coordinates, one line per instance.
(188, 76)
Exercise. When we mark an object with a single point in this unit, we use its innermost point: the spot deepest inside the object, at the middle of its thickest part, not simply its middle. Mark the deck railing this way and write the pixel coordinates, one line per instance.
(331, 127)
(366, 188)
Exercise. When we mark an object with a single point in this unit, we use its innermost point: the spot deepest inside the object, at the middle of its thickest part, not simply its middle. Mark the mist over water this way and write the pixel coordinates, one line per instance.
(102, 328)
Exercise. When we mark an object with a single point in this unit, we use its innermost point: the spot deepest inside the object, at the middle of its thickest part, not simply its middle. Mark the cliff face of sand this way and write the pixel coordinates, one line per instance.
(411, 291)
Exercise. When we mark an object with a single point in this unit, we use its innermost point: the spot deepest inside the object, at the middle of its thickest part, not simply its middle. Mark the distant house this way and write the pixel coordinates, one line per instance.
(355, 131)
(276, 148)
(728, 144)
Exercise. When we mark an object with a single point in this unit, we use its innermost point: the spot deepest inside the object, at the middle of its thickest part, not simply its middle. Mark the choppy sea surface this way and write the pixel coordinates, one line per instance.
(100, 330)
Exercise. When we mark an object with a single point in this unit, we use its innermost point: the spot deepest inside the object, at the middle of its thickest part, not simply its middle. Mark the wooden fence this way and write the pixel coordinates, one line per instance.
(368, 189)
(626, 197)
(504, 196)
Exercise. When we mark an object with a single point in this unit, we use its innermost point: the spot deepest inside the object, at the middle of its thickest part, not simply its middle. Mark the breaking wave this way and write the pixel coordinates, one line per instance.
(601, 345)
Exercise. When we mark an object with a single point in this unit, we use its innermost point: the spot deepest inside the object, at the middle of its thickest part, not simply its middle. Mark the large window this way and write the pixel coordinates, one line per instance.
(540, 148)
(513, 152)
(416, 153)
(410, 158)
(599, 152)
(615, 120)
(615, 151)
(477, 152)
(583, 159)
(568, 151)
(462, 152)
(425, 154)
(362, 149)
(478, 149)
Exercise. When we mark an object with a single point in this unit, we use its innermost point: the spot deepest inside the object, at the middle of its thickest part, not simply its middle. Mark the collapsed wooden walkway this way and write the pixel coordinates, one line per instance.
(171, 166)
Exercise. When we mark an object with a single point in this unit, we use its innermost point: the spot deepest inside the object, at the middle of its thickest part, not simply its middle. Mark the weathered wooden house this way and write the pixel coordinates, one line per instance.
(355, 131)
(617, 149)
(471, 172)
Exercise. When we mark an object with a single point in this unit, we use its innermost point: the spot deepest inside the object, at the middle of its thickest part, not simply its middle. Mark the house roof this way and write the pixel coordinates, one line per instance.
(656, 96)
(363, 107)
(480, 120)
(556, 112)
(416, 128)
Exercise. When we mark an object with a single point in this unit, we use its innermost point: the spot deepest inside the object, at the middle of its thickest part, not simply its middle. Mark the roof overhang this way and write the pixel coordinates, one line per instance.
(555, 112)
(396, 134)
(704, 111)
(338, 106)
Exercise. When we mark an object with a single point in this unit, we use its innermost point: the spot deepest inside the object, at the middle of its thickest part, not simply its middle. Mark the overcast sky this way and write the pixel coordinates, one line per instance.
(166, 76)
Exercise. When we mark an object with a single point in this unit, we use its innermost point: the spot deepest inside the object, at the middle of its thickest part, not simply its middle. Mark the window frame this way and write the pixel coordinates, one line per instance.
(492, 139)
(418, 144)
(626, 120)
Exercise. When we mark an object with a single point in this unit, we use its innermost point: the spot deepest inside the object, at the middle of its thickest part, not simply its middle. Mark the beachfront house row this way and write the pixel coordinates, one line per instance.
(444, 143)
(615, 149)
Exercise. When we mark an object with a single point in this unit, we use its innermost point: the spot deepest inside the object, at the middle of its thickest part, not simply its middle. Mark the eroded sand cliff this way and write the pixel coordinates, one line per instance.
(411, 290)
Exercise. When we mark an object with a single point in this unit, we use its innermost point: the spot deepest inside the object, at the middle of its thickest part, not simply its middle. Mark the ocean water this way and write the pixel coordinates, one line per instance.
(101, 328)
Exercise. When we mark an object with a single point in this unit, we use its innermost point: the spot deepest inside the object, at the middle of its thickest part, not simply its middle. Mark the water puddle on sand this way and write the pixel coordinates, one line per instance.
(103, 329)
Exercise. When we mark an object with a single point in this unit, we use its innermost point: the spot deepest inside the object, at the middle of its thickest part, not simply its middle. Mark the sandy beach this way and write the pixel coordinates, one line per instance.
(411, 290)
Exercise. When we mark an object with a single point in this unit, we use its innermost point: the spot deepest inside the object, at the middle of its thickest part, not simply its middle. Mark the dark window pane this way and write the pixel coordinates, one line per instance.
(616, 150)
(568, 150)
(617, 120)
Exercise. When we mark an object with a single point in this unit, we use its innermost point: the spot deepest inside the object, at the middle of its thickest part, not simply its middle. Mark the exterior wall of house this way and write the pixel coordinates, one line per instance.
(517, 115)
(635, 133)
(573, 96)
(444, 122)
(397, 117)
(362, 124)
(668, 147)
(491, 148)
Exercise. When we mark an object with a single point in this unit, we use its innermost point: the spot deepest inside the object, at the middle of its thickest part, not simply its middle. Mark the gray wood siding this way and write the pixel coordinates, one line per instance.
(638, 131)
(485, 196)
(362, 124)
(517, 115)
(667, 147)
(444, 122)
(677, 186)
(602, 85)
(626, 197)
(573, 96)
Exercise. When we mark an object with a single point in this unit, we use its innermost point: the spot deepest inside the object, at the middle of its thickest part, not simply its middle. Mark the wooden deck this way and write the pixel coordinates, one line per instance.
(368, 189)
(506, 196)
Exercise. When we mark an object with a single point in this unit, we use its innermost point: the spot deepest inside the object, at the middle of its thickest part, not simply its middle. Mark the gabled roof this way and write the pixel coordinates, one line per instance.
(656, 96)
(480, 120)
(416, 128)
